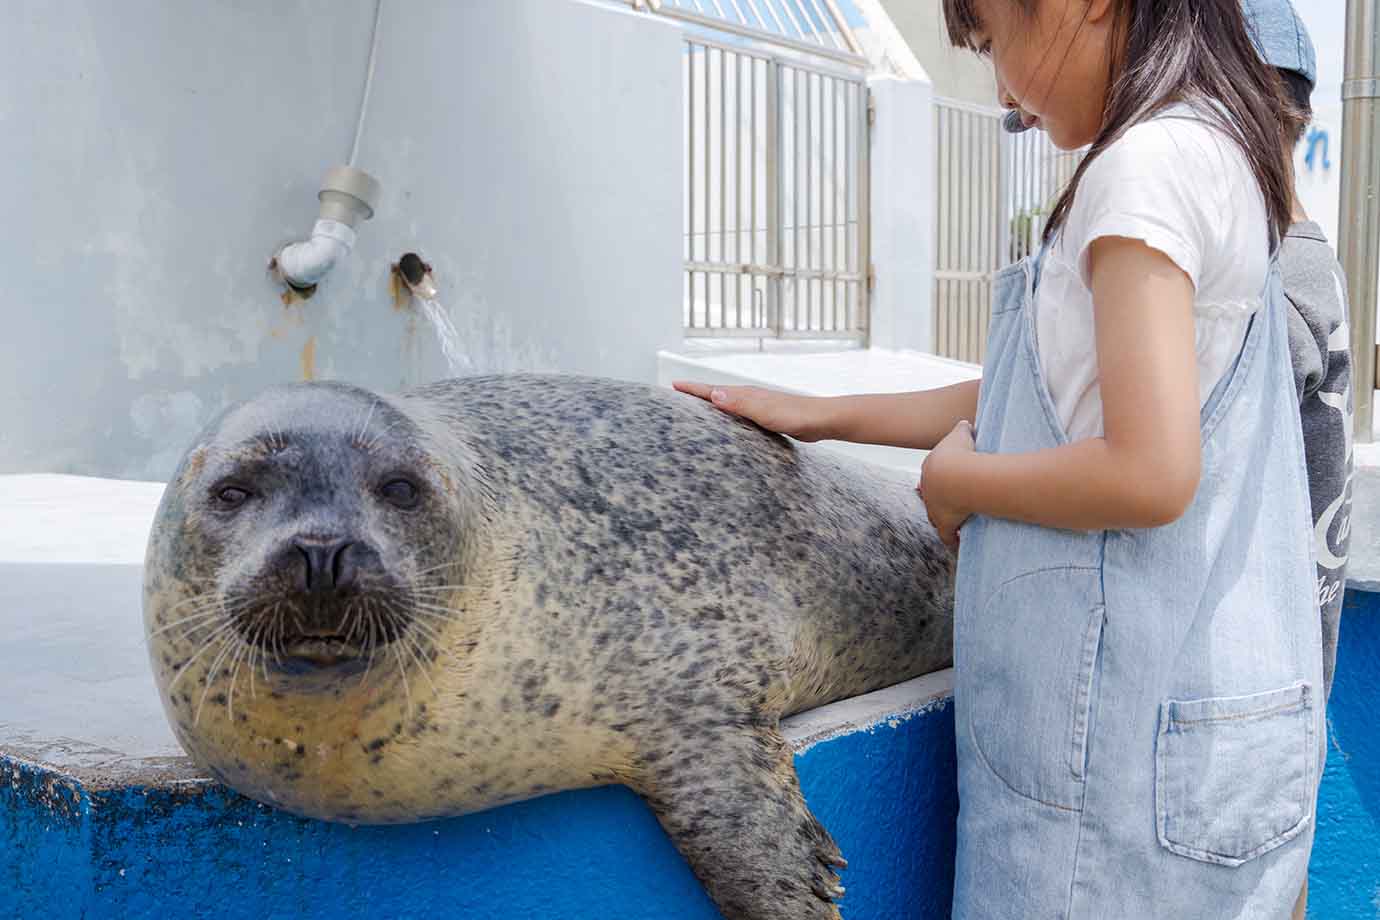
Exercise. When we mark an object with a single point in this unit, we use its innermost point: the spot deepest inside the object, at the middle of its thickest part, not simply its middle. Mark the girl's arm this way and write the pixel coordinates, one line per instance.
(1144, 471)
(920, 419)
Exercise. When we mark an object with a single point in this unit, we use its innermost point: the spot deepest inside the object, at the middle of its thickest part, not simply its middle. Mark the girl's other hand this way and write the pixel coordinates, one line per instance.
(948, 455)
(800, 417)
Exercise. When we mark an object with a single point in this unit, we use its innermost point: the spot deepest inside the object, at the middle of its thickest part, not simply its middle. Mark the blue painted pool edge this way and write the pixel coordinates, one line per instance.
(885, 789)
(1344, 876)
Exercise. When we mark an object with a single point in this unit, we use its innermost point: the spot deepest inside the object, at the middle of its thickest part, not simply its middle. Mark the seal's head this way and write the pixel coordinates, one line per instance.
(310, 537)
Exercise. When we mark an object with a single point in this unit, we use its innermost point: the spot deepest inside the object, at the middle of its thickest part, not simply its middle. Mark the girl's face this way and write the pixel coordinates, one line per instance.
(1051, 61)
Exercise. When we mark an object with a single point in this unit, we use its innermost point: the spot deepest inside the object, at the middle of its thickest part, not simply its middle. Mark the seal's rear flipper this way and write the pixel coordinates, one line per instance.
(733, 808)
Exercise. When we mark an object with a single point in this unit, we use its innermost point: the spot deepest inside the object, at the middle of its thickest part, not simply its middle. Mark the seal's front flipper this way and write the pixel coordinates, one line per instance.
(733, 808)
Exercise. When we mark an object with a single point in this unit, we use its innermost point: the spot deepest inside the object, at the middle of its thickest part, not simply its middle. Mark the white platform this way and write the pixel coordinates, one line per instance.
(834, 373)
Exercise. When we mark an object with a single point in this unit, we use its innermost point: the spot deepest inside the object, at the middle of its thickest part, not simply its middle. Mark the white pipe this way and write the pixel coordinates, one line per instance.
(304, 264)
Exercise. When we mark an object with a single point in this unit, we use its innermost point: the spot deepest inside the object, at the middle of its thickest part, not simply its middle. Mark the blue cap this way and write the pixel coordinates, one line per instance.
(1281, 37)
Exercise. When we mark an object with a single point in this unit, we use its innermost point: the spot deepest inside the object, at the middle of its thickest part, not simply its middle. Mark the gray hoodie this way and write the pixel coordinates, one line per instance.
(1319, 346)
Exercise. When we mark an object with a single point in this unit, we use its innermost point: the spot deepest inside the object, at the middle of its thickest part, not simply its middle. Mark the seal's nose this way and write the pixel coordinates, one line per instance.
(329, 563)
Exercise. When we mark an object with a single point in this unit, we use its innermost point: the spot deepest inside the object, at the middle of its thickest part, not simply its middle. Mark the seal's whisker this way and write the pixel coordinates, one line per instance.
(402, 673)
(426, 635)
(234, 675)
(417, 655)
(364, 426)
(276, 638)
(261, 640)
(253, 654)
(437, 568)
(442, 589)
(353, 617)
(435, 600)
(202, 622)
(211, 677)
(206, 603)
(435, 621)
(377, 439)
(344, 615)
(369, 654)
(208, 596)
(209, 643)
(195, 617)
(434, 610)
(427, 630)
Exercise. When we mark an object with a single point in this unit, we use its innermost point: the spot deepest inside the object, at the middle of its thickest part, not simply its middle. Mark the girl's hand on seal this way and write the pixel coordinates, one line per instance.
(948, 456)
(800, 417)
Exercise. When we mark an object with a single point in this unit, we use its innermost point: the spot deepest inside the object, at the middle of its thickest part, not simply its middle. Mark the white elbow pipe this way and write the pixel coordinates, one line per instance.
(347, 195)
(304, 264)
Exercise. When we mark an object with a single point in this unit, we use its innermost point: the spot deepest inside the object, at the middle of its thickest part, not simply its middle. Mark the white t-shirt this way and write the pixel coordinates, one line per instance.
(1184, 188)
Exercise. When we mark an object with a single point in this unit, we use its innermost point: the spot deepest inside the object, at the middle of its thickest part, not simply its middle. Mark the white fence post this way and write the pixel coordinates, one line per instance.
(903, 201)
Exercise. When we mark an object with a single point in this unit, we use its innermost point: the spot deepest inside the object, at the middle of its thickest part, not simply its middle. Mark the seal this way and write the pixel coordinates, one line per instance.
(379, 609)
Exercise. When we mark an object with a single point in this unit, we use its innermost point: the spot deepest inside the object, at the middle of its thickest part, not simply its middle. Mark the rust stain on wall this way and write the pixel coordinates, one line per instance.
(402, 297)
(309, 359)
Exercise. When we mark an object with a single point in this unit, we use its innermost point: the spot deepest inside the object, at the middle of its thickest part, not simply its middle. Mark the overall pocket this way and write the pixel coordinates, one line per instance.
(1027, 666)
(1234, 775)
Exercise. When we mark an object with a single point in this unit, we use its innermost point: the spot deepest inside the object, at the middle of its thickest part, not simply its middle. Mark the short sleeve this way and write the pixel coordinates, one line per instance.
(1160, 183)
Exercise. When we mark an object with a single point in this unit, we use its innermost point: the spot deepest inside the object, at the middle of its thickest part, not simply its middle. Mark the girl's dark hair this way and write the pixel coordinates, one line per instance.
(1298, 92)
(1182, 51)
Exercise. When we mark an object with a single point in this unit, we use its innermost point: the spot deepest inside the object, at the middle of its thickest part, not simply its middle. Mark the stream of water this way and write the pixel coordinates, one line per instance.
(446, 334)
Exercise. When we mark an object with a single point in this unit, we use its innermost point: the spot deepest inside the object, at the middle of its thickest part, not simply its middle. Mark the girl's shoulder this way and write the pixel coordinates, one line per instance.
(1178, 182)
(1183, 143)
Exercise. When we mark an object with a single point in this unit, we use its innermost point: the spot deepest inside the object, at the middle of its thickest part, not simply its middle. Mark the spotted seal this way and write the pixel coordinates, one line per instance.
(378, 609)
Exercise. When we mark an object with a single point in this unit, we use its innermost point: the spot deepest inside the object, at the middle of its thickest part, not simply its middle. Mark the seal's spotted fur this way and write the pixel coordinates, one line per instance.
(612, 583)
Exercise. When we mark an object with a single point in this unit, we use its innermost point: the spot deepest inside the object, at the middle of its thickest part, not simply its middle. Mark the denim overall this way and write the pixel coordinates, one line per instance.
(1139, 713)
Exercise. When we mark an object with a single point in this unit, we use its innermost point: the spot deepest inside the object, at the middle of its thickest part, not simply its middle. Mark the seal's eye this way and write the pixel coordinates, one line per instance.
(231, 496)
(400, 493)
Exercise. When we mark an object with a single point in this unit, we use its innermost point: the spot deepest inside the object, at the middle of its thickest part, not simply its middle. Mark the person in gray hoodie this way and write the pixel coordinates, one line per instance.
(1319, 341)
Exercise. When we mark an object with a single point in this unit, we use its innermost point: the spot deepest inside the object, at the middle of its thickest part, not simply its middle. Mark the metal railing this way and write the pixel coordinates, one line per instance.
(993, 198)
(776, 195)
(815, 27)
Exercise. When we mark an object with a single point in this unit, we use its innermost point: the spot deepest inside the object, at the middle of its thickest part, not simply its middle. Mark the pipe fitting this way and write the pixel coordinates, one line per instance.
(347, 196)
(304, 264)
(416, 274)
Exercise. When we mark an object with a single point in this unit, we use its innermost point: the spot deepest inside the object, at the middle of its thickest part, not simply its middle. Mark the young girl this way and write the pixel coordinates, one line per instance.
(1137, 659)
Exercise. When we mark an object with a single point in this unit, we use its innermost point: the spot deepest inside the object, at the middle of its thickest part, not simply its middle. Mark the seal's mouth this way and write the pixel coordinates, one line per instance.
(320, 650)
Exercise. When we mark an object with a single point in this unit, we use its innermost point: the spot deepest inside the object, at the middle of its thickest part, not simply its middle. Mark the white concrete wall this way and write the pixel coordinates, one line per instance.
(955, 73)
(159, 152)
(1320, 187)
(903, 221)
